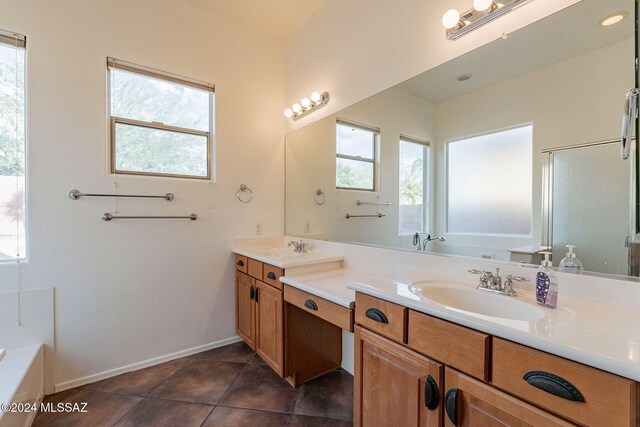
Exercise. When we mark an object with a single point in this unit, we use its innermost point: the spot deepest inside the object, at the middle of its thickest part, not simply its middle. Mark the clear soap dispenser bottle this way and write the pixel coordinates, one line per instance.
(570, 263)
(547, 283)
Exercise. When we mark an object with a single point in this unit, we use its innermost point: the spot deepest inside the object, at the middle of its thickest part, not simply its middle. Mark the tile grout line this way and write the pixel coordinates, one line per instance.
(244, 368)
(128, 412)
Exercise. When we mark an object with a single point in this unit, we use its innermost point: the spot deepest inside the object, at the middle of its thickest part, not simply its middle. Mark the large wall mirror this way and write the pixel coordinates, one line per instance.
(500, 153)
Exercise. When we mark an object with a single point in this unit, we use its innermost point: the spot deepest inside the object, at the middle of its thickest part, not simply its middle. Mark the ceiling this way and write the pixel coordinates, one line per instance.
(563, 35)
(276, 19)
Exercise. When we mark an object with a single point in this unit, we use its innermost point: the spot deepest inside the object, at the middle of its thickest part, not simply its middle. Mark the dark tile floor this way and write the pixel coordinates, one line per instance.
(227, 386)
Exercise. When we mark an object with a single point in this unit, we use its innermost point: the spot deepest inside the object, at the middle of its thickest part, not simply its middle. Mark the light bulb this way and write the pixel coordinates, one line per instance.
(450, 19)
(316, 97)
(288, 112)
(306, 103)
(296, 108)
(482, 5)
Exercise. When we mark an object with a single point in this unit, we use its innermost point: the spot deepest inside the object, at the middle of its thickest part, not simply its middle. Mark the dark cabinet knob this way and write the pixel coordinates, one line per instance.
(240, 263)
(450, 405)
(311, 305)
(255, 296)
(271, 275)
(252, 292)
(376, 315)
(553, 384)
(431, 394)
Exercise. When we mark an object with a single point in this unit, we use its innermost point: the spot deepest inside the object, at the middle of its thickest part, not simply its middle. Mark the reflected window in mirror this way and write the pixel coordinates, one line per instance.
(489, 183)
(356, 156)
(413, 178)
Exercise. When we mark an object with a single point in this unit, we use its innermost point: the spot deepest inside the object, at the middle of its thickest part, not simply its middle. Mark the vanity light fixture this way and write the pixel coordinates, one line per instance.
(315, 101)
(483, 11)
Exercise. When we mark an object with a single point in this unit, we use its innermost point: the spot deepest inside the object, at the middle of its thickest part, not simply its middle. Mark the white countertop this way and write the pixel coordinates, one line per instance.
(603, 336)
(284, 257)
(329, 284)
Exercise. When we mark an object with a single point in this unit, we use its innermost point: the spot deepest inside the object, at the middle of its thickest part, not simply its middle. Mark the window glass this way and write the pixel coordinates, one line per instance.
(355, 157)
(159, 126)
(12, 153)
(489, 183)
(147, 99)
(413, 211)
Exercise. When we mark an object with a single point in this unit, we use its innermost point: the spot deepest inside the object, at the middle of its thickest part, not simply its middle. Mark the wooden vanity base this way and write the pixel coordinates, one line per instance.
(313, 346)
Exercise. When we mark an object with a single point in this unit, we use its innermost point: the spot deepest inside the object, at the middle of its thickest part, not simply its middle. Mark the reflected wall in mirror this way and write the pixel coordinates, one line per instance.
(470, 158)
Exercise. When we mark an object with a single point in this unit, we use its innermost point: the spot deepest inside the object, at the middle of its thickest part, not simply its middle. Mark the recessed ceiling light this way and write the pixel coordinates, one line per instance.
(464, 77)
(613, 19)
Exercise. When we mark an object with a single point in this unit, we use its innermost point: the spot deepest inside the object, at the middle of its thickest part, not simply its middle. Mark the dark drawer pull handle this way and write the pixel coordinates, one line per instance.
(431, 394)
(553, 384)
(450, 405)
(241, 263)
(271, 275)
(311, 305)
(252, 292)
(376, 315)
(256, 295)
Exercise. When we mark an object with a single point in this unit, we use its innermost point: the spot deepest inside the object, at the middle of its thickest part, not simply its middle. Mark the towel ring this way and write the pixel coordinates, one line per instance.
(243, 189)
(320, 198)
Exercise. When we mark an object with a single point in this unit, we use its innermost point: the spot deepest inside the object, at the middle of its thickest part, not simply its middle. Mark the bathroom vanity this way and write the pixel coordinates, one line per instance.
(432, 350)
(297, 333)
(473, 377)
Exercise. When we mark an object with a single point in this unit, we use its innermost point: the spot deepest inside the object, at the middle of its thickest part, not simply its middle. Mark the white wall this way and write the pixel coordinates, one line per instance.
(311, 164)
(356, 48)
(131, 291)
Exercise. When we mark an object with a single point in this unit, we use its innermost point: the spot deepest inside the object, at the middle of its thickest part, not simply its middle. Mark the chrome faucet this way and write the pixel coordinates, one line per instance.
(299, 247)
(428, 239)
(493, 283)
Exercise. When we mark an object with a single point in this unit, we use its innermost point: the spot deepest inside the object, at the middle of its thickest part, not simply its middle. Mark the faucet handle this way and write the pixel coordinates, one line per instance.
(475, 271)
(517, 278)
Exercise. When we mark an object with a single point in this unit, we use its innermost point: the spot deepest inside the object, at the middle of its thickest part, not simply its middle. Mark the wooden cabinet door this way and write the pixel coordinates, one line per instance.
(245, 312)
(469, 402)
(394, 386)
(270, 331)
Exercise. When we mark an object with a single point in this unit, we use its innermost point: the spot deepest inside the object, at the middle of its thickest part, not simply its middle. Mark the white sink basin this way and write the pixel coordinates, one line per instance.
(279, 253)
(469, 300)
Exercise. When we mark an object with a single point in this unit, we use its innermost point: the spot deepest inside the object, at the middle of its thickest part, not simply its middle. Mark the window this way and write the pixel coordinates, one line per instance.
(356, 149)
(12, 147)
(489, 183)
(161, 124)
(413, 178)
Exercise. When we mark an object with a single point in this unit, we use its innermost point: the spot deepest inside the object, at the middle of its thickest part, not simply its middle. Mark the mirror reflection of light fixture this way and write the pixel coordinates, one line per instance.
(307, 105)
(483, 11)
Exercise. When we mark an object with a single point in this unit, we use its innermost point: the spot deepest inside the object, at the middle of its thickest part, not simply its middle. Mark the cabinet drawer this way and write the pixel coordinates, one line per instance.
(242, 263)
(455, 346)
(383, 317)
(271, 275)
(590, 396)
(255, 269)
(327, 310)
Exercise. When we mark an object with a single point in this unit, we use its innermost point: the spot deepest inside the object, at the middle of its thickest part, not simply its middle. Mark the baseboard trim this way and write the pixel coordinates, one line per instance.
(144, 364)
(347, 367)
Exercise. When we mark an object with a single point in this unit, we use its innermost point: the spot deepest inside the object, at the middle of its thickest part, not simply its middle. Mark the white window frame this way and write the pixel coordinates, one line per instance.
(113, 63)
(19, 41)
(445, 187)
(426, 179)
(374, 160)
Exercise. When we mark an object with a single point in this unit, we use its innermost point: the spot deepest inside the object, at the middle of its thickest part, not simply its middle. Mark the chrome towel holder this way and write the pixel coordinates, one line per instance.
(378, 215)
(76, 194)
(108, 217)
(320, 197)
(242, 190)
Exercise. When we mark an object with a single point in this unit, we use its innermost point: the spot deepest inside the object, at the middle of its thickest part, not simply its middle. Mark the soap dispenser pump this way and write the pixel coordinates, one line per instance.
(570, 263)
(547, 283)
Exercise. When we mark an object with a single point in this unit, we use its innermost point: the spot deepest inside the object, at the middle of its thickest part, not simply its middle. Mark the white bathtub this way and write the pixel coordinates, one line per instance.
(21, 382)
